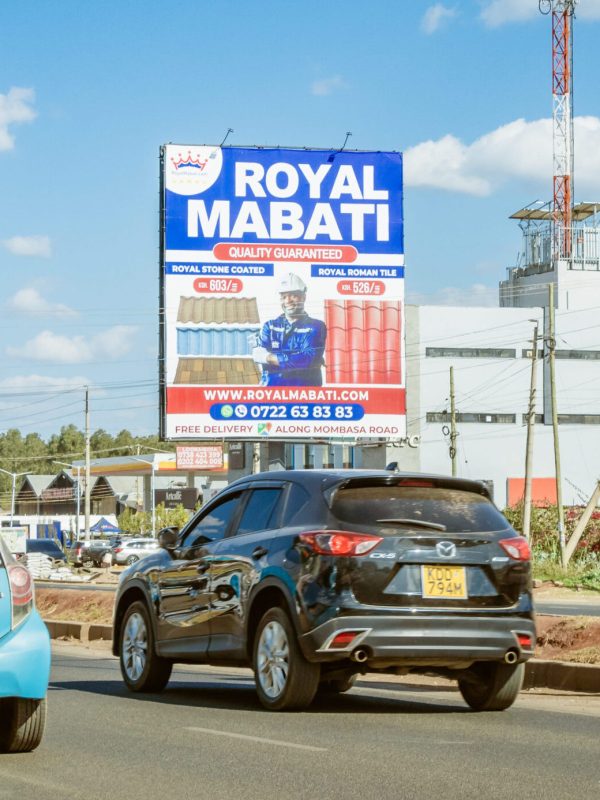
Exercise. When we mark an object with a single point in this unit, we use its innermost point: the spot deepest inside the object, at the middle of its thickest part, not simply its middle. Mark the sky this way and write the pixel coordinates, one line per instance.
(89, 92)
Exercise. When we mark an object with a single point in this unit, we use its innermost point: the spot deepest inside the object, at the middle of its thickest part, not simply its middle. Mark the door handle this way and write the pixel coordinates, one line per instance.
(259, 552)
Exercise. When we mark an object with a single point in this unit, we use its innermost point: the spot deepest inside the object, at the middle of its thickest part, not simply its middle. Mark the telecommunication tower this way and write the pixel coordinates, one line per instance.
(562, 122)
(561, 238)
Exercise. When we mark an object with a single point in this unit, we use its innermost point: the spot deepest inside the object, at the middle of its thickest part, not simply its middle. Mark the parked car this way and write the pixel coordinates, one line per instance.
(24, 659)
(46, 546)
(89, 552)
(128, 552)
(314, 576)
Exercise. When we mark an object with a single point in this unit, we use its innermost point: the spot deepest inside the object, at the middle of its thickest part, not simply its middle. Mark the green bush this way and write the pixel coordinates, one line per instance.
(139, 523)
(583, 568)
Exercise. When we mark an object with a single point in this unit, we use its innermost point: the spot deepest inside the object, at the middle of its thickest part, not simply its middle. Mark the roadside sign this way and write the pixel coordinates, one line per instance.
(15, 539)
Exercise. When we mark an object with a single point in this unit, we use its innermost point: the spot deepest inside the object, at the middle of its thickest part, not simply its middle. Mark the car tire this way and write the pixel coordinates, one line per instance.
(338, 685)
(285, 680)
(22, 723)
(131, 560)
(492, 686)
(141, 668)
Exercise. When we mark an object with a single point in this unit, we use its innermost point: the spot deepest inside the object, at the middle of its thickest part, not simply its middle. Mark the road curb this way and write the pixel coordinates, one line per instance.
(538, 674)
(562, 675)
(85, 632)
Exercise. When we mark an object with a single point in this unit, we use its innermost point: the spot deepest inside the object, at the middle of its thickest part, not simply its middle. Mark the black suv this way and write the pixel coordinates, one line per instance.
(89, 552)
(312, 577)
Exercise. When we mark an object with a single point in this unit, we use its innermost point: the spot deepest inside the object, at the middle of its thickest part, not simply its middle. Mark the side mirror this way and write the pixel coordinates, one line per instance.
(168, 537)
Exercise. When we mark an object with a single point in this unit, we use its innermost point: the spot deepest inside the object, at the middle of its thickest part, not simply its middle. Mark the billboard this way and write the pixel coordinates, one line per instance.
(282, 289)
(196, 457)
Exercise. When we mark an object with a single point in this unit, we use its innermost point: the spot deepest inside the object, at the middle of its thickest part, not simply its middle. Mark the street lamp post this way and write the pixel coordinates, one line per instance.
(14, 476)
(78, 496)
(152, 492)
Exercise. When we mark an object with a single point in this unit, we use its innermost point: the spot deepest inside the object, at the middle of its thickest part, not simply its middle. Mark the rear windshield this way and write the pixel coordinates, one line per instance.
(458, 511)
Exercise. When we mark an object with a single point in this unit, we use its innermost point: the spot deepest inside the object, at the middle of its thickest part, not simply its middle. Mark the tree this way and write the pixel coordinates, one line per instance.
(70, 443)
(102, 443)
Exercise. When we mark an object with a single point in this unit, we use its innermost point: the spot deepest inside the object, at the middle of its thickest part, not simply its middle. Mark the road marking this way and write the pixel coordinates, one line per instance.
(260, 740)
(62, 790)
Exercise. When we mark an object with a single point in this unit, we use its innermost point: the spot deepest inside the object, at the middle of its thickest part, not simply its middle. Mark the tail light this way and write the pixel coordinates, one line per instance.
(21, 589)
(117, 549)
(517, 548)
(340, 543)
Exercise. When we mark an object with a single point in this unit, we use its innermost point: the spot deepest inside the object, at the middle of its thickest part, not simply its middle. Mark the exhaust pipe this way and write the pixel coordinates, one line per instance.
(359, 655)
(511, 657)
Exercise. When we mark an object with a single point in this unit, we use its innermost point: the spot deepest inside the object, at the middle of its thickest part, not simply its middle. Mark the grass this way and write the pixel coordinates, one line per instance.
(583, 574)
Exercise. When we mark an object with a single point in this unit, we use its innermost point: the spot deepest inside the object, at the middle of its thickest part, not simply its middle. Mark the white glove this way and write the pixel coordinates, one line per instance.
(259, 355)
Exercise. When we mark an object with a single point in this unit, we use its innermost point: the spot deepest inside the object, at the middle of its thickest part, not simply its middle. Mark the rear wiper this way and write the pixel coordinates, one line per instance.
(419, 523)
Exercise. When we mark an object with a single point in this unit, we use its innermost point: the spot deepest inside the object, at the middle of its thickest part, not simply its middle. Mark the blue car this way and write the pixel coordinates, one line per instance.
(24, 659)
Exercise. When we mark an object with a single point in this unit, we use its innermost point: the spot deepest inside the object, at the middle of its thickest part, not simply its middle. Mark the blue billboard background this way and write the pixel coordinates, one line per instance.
(386, 177)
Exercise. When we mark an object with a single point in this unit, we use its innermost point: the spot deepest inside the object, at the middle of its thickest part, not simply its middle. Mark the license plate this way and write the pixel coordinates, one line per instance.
(441, 581)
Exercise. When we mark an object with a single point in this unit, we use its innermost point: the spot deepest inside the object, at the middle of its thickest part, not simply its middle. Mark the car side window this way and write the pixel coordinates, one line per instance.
(261, 511)
(212, 525)
(298, 499)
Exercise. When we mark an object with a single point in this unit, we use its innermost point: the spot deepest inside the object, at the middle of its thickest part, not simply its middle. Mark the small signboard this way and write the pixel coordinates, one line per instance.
(200, 457)
(15, 539)
(177, 497)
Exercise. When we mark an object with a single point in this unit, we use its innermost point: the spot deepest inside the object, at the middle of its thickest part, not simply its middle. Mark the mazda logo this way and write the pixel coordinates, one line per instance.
(445, 549)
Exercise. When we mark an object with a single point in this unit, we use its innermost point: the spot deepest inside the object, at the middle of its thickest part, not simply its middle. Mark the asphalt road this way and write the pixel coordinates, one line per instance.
(566, 609)
(207, 737)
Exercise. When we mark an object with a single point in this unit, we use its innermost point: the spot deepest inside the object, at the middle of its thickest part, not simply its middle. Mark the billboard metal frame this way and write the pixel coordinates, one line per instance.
(163, 382)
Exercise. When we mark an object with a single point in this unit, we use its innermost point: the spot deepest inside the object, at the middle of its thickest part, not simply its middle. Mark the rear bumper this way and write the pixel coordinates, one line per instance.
(25, 660)
(420, 641)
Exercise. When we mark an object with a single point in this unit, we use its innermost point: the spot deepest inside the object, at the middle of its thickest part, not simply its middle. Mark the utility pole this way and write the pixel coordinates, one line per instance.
(256, 457)
(530, 430)
(87, 462)
(453, 433)
(559, 503)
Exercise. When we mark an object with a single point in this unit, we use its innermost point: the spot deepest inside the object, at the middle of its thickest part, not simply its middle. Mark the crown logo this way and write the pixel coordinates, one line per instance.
(189, 161)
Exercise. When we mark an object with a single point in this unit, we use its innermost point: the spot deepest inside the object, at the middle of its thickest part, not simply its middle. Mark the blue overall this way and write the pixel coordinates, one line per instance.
(299, 347)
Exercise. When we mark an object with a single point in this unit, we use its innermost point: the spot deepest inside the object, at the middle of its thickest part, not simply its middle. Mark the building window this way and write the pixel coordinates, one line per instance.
(587, 355)
(569, 419)
(529, 353)
(579, 419)
(444, 416)
(537, 418)
(470, 352)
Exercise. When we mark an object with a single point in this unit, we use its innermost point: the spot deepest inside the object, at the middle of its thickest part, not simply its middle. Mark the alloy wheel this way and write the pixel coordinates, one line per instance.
(135, 646)
(273, 659)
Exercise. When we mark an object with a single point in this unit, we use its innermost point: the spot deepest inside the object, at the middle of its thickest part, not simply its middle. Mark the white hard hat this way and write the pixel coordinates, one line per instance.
(291, 283)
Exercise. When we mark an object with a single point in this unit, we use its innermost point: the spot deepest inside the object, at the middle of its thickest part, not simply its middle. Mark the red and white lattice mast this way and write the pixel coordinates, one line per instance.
(562, 123)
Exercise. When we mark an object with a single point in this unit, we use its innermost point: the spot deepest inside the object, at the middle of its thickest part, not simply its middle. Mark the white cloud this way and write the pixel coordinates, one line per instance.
(326, 86)
(29, 246)
(435, 17)
(30, 301)
(520, 151)
(500, 12)
(15, 107)
(48, 346)
(476, 295)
